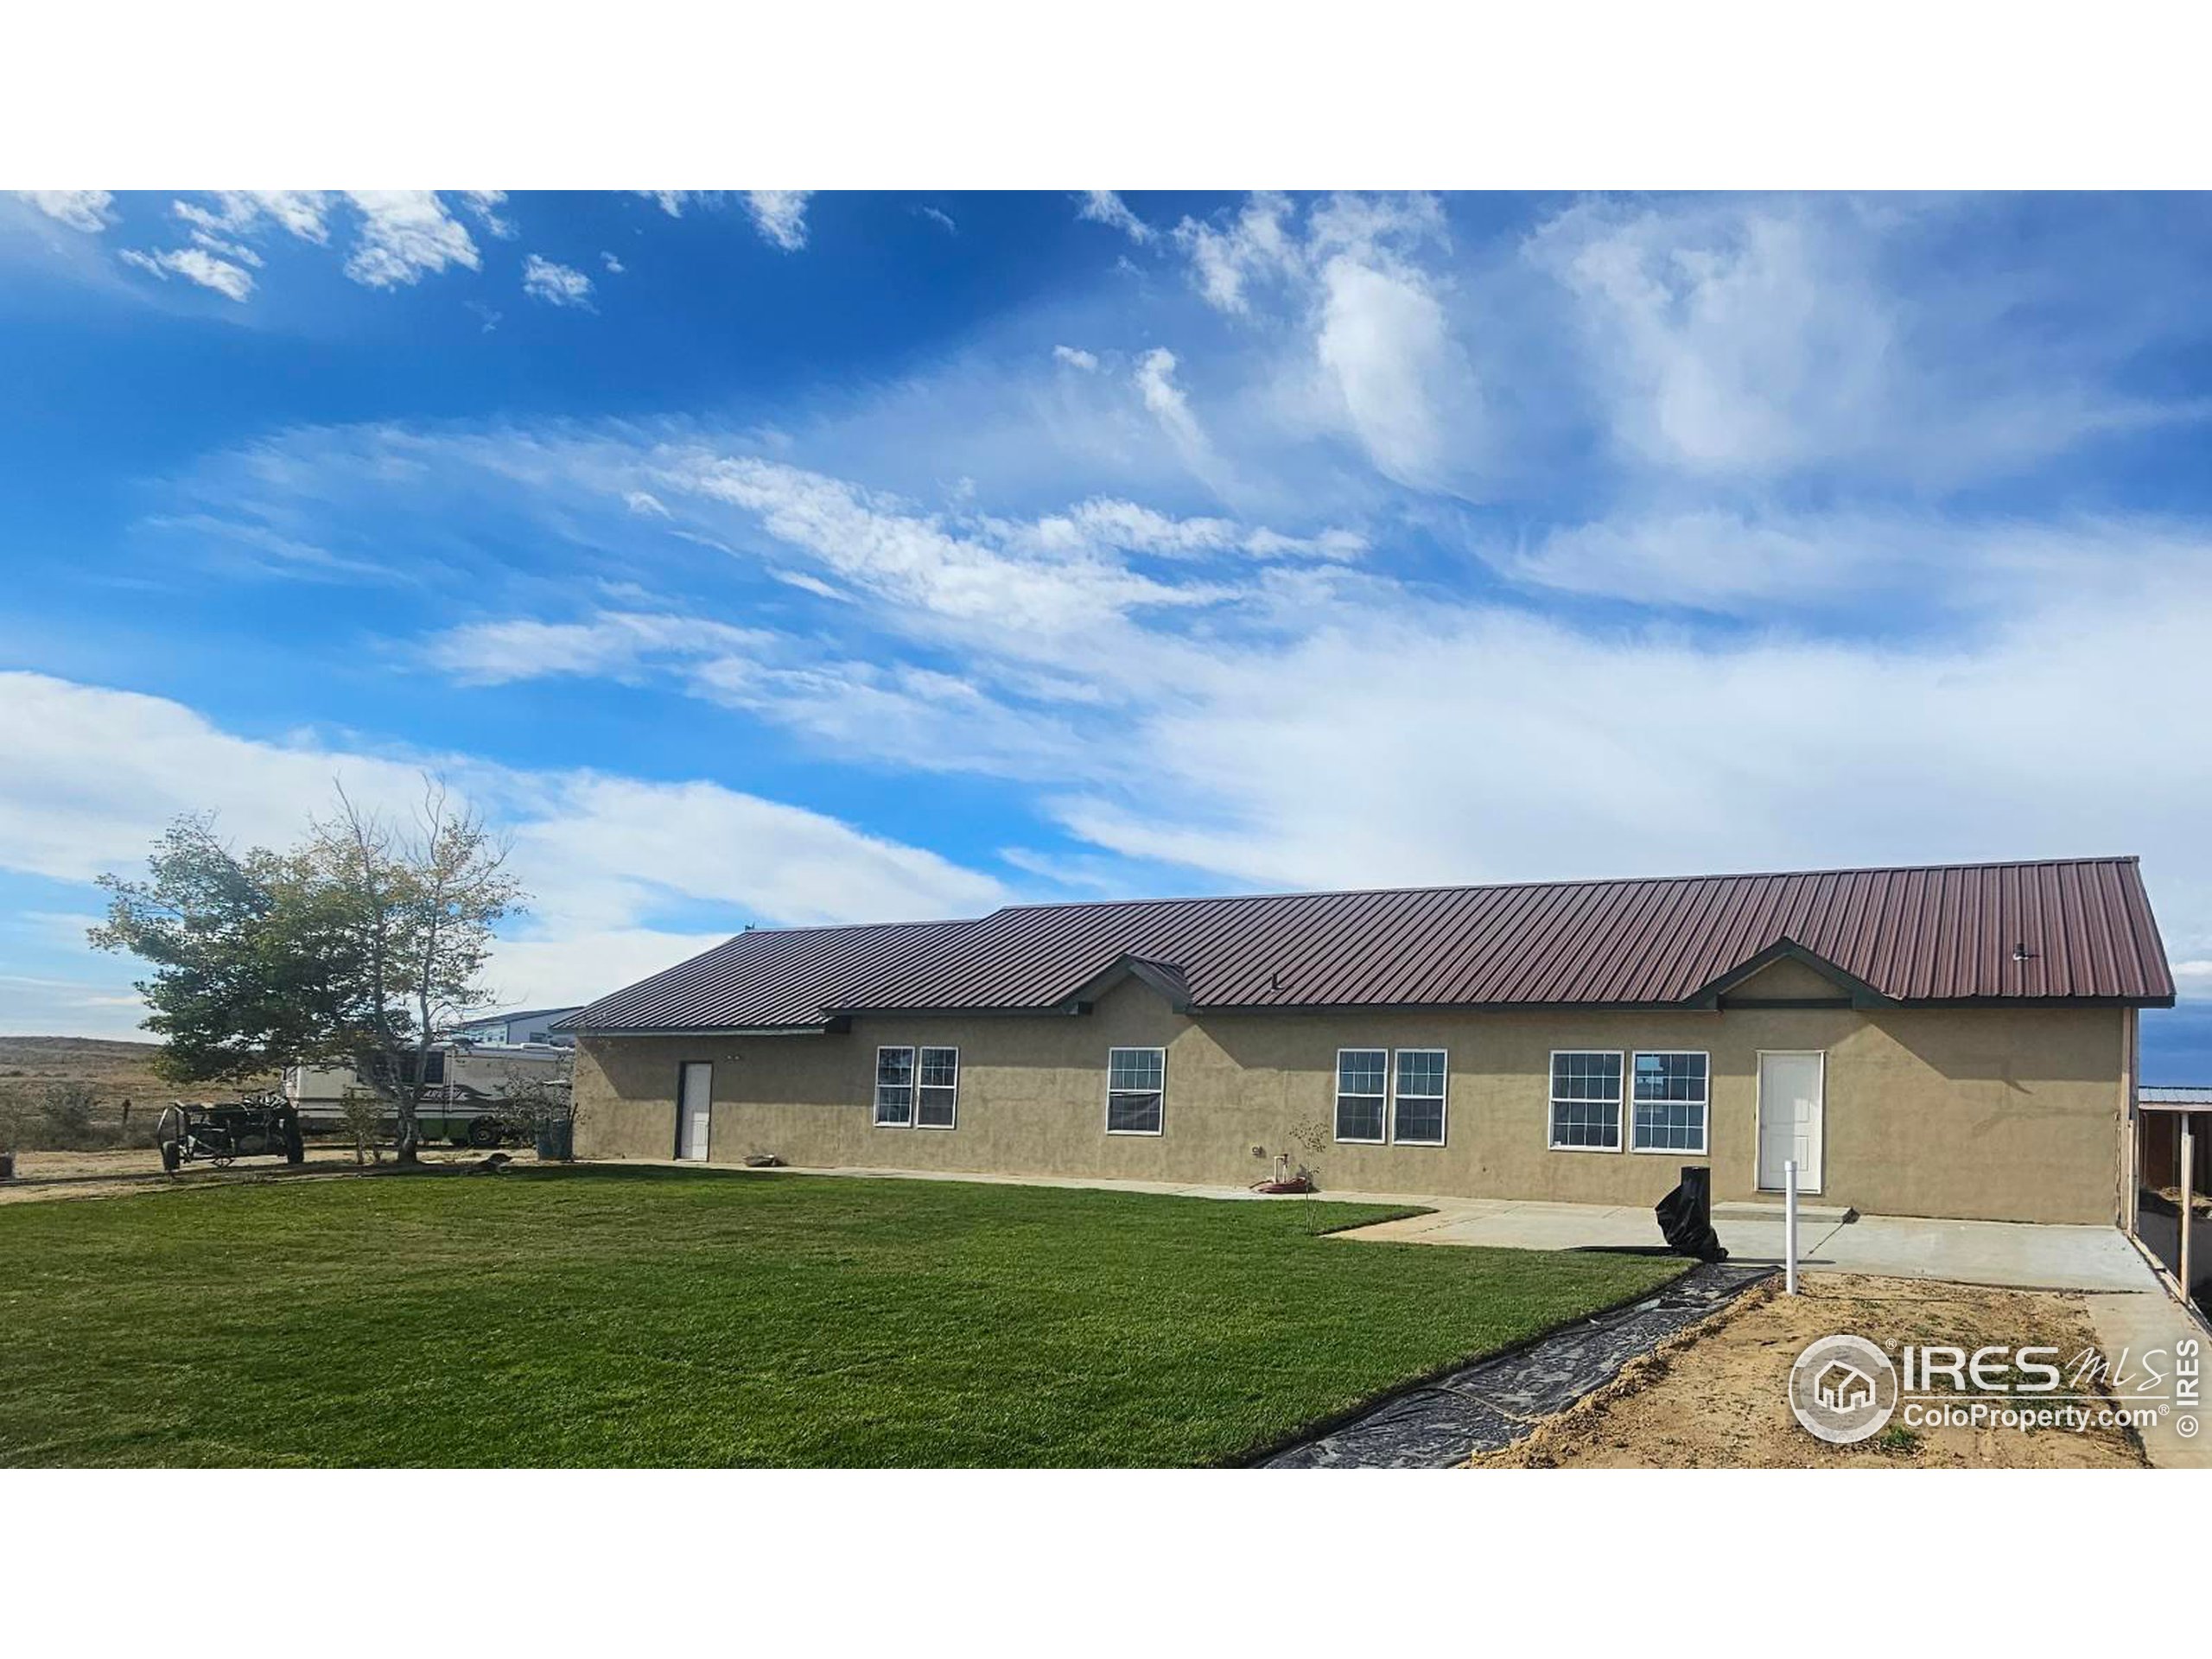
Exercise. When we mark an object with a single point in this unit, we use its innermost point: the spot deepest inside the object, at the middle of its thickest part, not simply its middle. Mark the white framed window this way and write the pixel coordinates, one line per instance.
(1383, 1098)
(936, 1088)
(894, 1088)
(1417, 1102)
(1136, 1091)
(1671, 1092)
(1363, 1079)
(917, 1088)
(1585, 1113)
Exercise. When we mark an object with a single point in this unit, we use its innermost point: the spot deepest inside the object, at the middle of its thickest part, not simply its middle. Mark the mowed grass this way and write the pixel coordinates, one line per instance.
(612, 1316)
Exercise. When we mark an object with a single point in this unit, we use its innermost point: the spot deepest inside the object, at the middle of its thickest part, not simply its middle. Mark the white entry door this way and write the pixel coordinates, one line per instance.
(692, 1109)
(1789, 1119)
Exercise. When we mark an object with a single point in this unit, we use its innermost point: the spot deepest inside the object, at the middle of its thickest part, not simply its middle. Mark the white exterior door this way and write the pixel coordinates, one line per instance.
(1789, 1119)
(692, 1107)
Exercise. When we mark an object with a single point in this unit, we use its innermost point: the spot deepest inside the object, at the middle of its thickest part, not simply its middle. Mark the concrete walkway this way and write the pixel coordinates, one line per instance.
(2152, 1329)
(2011, 1254)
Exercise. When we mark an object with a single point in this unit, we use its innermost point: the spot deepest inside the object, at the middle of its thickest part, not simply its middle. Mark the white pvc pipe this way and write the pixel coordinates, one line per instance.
(1789, 1227)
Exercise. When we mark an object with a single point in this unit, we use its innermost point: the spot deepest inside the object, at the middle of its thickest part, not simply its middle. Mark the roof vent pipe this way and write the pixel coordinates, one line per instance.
(2020, 951)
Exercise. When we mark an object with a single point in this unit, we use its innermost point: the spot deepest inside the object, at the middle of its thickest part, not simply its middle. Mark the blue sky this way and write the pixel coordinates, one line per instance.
(781, 558)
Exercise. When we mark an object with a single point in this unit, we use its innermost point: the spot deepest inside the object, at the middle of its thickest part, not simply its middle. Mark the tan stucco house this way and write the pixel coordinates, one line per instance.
(1943, 1041)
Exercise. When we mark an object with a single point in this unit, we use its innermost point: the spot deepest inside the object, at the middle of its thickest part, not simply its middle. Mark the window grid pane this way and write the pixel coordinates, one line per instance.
(1587, 1099)
(1359, 1117)
(1417, 1113)
(1359, 1071)
(1133, 1114)
(1671, 1097)
(1361, 1074)
(934, 1110)
(894, 1086)
(1136, 1091)
(1420, 1121)
(1590, 1075)
(1134, 1068)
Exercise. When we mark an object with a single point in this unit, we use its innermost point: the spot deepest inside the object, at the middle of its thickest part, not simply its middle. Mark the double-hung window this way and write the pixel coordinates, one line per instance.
(1587, 1100)
(1417, 1105)
(1382, 1097)
(1672, 1094)
(1362, 1079)
(1136, 1091)
(917, 1088)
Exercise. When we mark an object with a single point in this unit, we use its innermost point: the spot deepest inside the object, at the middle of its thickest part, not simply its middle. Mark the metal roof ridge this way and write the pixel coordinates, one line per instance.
(1557, 881)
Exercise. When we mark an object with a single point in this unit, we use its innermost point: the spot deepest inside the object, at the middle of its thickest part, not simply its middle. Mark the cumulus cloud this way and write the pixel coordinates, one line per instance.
(80, 210)
(1105, 207)
(405, 235)
(1254, 245)
(196, 266)
(556, 284)
(89, 776)
(303, 213)
(1347, 278)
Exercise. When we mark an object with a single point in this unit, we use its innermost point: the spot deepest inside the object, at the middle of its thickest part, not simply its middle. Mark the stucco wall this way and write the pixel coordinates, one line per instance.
(2002, 1114)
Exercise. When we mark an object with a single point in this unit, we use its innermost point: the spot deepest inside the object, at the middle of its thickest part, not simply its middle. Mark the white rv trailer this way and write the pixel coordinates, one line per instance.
(468, 1101)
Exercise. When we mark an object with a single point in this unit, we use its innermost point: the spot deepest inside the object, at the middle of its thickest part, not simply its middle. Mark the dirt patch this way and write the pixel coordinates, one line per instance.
(42, 1176)
(1713, 1398)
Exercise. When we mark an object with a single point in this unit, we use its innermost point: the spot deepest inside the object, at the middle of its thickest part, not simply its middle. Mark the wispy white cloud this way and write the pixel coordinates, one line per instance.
(939, 218)
(1105, 207)
(611, 644)
(196, 266)
(303, 213)
(556, 284)
(1154, 379)
(779, 216)
(485, 205)
(405, 235)
(1076, 357)
(1345, 274)
(1255, 245)
(90, 211)
(1731, 339)
(615, 267)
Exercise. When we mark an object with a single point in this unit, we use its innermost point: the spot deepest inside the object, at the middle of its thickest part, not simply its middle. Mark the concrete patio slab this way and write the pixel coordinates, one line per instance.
(2014, 1254)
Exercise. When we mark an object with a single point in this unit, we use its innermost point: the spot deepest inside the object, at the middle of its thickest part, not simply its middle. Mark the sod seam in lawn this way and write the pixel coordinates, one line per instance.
(650, 1316)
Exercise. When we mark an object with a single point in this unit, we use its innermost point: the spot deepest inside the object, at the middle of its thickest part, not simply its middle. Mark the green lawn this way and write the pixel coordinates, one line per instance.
(605, 1315)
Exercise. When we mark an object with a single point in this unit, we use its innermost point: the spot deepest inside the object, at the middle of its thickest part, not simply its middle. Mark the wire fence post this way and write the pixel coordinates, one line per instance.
(1789, 1227)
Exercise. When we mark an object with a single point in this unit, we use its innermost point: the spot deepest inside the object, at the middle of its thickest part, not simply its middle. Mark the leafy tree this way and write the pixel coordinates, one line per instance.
(354, 947)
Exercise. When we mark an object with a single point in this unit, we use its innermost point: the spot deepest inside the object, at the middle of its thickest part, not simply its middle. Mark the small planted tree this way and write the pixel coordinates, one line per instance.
(1313, 1140)
(353, 948)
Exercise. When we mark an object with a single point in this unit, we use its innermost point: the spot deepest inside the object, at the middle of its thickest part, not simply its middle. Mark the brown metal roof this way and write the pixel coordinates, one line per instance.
(2057, 929)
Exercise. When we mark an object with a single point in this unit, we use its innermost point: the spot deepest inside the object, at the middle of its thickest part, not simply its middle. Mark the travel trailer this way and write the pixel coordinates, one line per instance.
(473, 1090)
